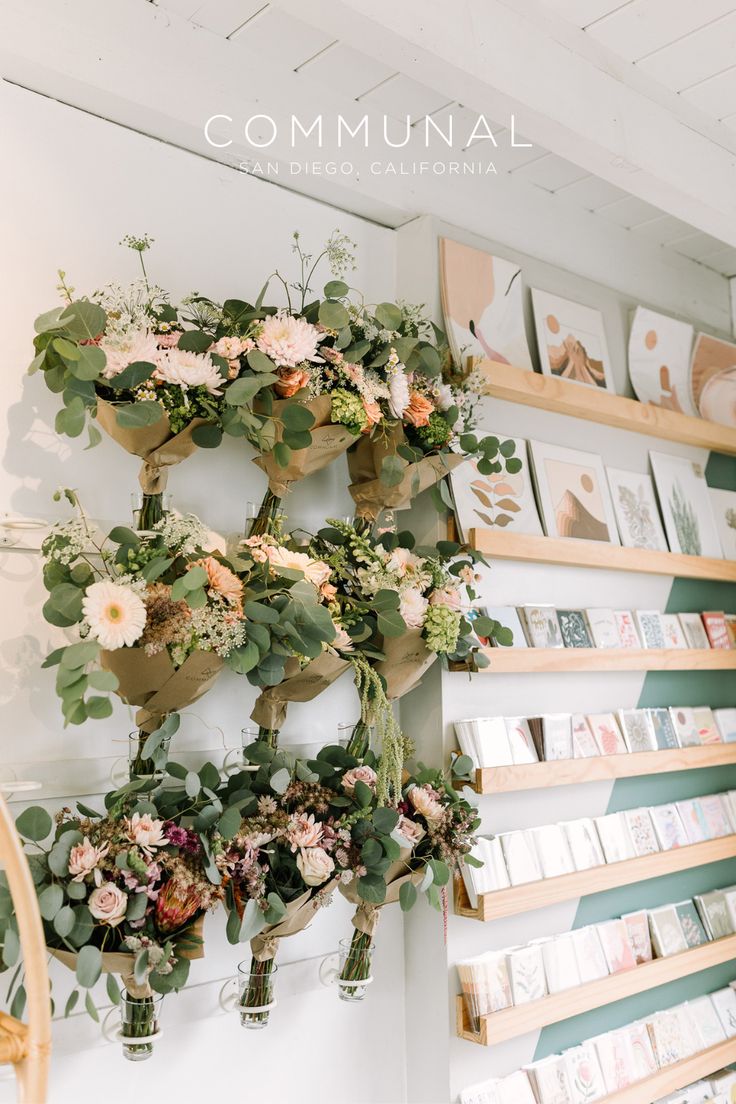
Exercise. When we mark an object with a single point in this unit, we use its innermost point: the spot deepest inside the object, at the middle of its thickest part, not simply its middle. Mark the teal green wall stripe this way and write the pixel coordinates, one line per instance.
(715, 688)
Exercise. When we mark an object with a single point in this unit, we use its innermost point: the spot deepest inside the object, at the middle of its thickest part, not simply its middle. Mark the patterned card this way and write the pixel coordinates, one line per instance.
(641, 830)
(542, 626)
(607, 734)
(726, 721)
(649, 624)
(694, 630)
(674, 637)
(584, 843)
(615, 1054)
(645, 1063)
(724, 1002)
(557, 729)
(627, 631)
(690, 922)
(731, 627)
(614, 837)
(669, 827)
(583, 741)
(668, 1039)
(715, 627)
(714, 811)
(706, 724)
(550, 1080)
(526, 971)
(589, 954)
(636, 729)
(614, 938)
(640, 937)
(584, 1071)
(574, 629)
(603, 628)
(713, 911)
(663, 728)
(694, 820)
(687, 730)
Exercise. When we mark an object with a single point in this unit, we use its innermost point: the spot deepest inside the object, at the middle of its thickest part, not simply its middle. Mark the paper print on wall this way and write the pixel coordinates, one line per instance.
(573, 493)
(659, 360)
(572, 340)
(637, 515)
(713, 379)
(686, 505)
(482, 305)
(501, 500)
(724, 511)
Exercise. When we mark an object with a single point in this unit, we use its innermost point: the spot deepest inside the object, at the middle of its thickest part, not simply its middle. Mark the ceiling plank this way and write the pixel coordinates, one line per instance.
(696, 57)
(640, 28)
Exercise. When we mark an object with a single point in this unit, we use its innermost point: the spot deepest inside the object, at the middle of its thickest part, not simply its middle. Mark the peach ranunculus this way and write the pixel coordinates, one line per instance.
(372, 413)
(108, 904)
(147, 832)
(84, 858)
(447, 596)
(315, 571)
(304, 831)
(230, 348)
(222, 580)
(290, 381)
(315, 865)
(426, 802)
(418, 411)
(358, 774)
(410, 830)
(327, 591)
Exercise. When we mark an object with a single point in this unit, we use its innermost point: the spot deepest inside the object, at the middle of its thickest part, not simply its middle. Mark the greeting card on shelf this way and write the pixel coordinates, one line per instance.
(708, 1021)
(663, 729)
(521, 741)
(695, 634)
(723, 504)
(705, 721)
(637, 730)
(674, 637)
(589, 955)
(583, 741)
(724, 1002)
(668, 937)
(573, 493)
(550, 1081)
(607, 734)
(584, 1072)
(640, 938)
(669, 827)
(501, 500)
(636, 510)
(659, 360)
(726, 721)
(715, 627)
(614, 836)
(542, 626)
(603, 628)
(614, 937)
(627, 631)
(641, 831)
(520, 857)
(560, 963)
(584, 843)
(714, 913)
(574, 629)
(557, 736)
(686, 505)
(688, 734)
(649, 624)
(526, 971)
(690, 922)
(553, 850)
(572, 340)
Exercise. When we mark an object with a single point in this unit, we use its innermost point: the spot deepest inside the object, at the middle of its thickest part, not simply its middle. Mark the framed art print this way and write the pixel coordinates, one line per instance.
(572, 340)
(637, 513)
(659, 360)
(686, 505)
(573, 493)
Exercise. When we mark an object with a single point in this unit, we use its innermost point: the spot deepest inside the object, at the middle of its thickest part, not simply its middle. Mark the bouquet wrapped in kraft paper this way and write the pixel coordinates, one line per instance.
(407, 659)
(156, 686)
(328, 441)
(300, 684)
(384, 479)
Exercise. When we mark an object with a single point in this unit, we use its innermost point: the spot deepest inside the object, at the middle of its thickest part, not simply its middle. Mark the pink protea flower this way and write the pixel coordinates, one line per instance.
(175, 905)
(287, 340)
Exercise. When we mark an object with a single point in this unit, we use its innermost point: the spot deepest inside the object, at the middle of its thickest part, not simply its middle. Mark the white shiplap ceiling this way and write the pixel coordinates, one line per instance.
(688, 46)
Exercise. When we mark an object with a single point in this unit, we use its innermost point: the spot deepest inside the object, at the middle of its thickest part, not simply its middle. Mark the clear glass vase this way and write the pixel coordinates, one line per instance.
(139, 1019)
(356, 737)
(256, 988)
(356, 958)
(148, 509)
(142, 766)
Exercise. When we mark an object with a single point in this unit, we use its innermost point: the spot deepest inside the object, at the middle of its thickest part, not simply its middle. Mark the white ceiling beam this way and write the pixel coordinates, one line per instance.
(569, 94)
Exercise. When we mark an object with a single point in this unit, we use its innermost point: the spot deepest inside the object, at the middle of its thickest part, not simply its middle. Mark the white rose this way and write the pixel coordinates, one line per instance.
(315, 865)
(413, 608)
(108, 904)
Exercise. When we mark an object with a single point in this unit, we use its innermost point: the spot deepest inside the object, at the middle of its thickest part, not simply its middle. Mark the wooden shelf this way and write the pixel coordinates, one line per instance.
(503, 381)
(584, 883)
(677, 1076)
(534, 660)
(569, 772)
(499, 1027)
(598, 554)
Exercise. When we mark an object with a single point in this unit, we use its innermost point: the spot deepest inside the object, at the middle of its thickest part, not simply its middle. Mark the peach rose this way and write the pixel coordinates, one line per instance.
(358, 774)
(304, 832)
(410, 830)
(418, 411)
(425, 802)
(84, 858)
(108, 904)
(445, 596)
(315, 865)
(290, 381)
(372, 413)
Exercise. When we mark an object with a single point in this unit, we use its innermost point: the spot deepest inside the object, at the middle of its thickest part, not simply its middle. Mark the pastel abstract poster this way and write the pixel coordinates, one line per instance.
(573, 493)
(572, 340)
(659, 360)
(482, 305)
(713, 379)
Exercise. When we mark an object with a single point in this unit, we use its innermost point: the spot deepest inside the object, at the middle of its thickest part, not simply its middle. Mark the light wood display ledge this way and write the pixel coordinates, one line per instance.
(531, 660)
(584, 883)
(499, 1027)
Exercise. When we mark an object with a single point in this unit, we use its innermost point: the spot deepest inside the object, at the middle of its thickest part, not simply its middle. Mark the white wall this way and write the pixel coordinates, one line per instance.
(72, 186)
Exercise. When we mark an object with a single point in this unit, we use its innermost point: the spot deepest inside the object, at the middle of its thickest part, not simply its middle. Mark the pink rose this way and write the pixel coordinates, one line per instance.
(411, 830)
(146, 832)
(358, 774)
(304, 832)
(315, 865)
(108, 904)
(230, 348)
(168, 340)
(446, 596)
(413, 608)
(84, 858)
(425, 801)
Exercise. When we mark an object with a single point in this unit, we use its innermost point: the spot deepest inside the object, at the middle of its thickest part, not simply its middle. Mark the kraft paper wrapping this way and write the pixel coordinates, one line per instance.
(155, 444)
(366, 916)
(328, 442)
(407, 659)
(371, 494)
(297, 686)
(299, 913)
(121, 963)
(155, 685)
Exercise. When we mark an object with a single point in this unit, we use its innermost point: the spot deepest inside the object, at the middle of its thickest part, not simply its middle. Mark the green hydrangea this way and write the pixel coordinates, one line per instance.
(435, 434)
(348, 410)
(442, 629)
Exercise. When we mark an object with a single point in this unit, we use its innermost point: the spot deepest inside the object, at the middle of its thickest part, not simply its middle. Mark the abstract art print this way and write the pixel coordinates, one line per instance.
(659, 360)
(572, 340)
(573, 494)
(713, 379)
(723, 504)
(501, 500)
(482, 305)
(686, 505)
(639, 524)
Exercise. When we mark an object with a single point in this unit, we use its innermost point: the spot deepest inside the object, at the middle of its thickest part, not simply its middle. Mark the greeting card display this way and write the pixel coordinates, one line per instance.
(573, 493)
